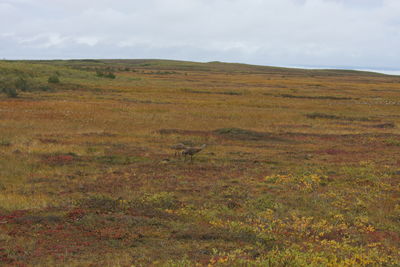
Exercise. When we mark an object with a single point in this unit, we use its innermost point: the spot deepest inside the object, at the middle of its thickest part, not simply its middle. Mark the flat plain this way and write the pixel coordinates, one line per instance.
(301, 168)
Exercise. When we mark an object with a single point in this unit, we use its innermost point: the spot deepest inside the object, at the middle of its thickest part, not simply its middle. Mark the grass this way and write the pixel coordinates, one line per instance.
(211, 92)
(87, 176)
(316, 97)
(392, 142)
(243, 134)
(318, 115)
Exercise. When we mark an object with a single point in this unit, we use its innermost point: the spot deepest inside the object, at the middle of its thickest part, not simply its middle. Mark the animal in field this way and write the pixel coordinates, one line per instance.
(179, 148)
(191, 151)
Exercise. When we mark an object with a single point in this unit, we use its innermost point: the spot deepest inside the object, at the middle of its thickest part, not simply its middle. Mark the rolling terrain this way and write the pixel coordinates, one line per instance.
(301, 167)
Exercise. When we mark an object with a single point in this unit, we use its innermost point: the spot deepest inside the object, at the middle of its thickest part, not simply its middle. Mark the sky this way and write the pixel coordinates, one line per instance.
(363, 34)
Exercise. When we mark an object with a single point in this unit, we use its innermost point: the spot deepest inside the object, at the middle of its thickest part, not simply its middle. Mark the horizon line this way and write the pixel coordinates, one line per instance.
(381, 70)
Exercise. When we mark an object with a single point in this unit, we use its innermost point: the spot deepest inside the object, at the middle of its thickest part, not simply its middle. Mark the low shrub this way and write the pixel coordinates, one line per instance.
(4, 142)
(318, 115)
(10, 92)
(243, 134)
(162, 200)
(22, 84)
(386, 125)
(263, 203)
(108, 75)
(315, 97)
(53, 79)
(7, 86)
(100, 204)
(392, 142)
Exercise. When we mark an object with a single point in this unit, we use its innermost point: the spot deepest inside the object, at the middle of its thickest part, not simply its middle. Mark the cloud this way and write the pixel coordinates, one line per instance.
(362, 33)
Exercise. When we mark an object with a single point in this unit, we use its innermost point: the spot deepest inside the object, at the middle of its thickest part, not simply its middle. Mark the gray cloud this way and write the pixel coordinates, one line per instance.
(364, 33)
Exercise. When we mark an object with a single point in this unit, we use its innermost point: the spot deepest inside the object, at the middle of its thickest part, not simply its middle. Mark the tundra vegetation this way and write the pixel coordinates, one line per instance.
(301, 168)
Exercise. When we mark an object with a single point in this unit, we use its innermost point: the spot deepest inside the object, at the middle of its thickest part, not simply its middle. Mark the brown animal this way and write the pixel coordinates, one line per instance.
(179, 148)
(191, 151)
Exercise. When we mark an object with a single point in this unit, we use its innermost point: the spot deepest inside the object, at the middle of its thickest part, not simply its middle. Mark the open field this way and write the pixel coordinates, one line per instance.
(302, 167)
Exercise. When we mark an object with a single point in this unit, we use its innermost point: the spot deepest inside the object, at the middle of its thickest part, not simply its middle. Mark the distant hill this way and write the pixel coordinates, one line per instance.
(209, 66)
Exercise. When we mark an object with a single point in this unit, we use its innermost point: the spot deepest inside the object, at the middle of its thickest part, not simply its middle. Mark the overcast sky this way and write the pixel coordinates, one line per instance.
(346, 33)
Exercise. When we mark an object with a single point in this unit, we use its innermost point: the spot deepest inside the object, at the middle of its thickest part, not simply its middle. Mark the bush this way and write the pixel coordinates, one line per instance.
(45, 88)
(109, 75)
(22, 85)
(4, 142)
(99, 73)
(7, 86)
(263, 203)
(162, 200)
(100, 204)
(53, 79)
(10, 92)
(13, 85)
(318, 115)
